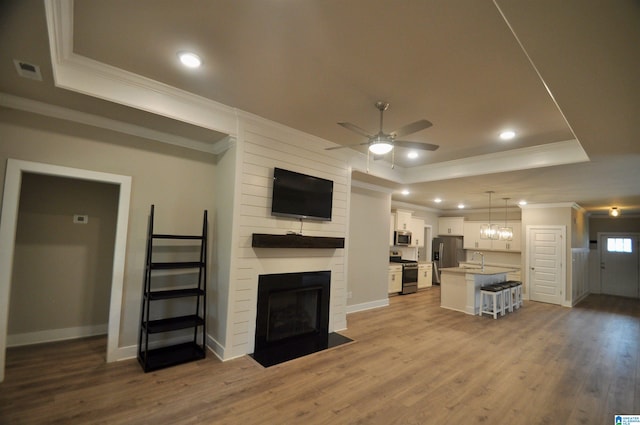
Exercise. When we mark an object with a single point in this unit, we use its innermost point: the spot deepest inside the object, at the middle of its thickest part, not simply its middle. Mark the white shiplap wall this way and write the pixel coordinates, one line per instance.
(263, 146)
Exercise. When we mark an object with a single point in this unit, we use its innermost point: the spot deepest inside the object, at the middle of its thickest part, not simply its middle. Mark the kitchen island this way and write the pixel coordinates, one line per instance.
(460, 286)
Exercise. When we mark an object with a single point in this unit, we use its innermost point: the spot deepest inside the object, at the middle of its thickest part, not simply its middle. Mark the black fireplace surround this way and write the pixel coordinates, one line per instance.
(293, 316)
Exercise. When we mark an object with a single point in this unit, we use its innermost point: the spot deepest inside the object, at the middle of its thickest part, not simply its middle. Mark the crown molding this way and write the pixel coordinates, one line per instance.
(87, 76)
(371, 187)
(93, 78)
(59, 112)
(571, 205)
(547, 155)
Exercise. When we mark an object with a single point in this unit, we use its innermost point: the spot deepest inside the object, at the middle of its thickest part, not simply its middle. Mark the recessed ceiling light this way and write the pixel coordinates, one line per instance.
(523, 202)
(437, 200)
(412, 155)
(461, 206)
(405, 192)
(190, 60)
(507, 135)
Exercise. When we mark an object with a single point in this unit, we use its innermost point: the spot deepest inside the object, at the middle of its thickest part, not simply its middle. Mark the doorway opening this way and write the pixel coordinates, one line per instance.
(15, 171)
(63, 257)
(619, 264)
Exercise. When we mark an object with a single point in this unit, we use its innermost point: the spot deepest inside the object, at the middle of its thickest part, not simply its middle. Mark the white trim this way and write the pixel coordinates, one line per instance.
(52, 335)
(550, 154)
(90, 77)
(371, 187)
(367, 306)
(417, 208)
(550, 205)
(8, 224)
(216, 348)
(84, 75)
(524, 274)
(54, 111)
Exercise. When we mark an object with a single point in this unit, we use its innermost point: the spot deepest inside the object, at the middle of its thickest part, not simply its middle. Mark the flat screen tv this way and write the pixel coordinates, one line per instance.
(301, 196)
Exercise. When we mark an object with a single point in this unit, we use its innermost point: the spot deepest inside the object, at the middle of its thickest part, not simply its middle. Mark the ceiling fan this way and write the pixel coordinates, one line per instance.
(382, 143)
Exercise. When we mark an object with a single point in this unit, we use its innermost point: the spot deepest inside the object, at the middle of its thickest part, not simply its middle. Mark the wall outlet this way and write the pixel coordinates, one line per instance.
(349, 295)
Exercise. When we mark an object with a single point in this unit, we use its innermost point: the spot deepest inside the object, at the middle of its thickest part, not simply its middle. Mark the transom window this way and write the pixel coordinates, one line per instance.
(619, 245)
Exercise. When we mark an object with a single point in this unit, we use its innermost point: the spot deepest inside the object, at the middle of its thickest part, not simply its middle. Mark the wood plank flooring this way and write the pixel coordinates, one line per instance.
(411, 363)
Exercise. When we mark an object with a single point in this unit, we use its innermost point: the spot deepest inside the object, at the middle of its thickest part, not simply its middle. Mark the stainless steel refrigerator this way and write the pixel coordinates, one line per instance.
(447, 252)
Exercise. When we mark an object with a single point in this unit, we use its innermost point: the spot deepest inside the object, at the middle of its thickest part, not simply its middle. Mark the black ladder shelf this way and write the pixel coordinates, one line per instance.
(161, 354)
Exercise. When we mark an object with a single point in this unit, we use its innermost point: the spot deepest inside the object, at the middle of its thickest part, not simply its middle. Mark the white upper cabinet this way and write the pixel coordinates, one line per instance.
(514, 243)
(473, 241)
(403, 220)
(451, 226)
(417, 232)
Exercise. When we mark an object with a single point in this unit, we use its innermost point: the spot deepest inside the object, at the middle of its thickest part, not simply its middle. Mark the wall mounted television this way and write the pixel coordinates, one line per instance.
(301, 196)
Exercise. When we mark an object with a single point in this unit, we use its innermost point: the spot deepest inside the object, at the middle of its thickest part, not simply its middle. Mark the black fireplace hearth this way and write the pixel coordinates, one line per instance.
(293, 316)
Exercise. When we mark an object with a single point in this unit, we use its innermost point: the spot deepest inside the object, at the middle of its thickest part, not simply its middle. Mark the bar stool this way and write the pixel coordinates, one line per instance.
(492, 296)
(517, 294)
(507, 299)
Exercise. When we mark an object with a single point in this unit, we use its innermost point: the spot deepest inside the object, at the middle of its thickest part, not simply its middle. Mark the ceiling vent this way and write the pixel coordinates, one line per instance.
(28, 70)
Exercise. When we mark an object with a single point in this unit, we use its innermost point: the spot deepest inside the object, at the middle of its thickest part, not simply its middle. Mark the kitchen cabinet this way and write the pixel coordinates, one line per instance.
(403, 220)
(451, 226)
(417, 232)
(514, 243)
(425, 271)
(471, 237)
(460, 287)
(473, 241)
(395, 279)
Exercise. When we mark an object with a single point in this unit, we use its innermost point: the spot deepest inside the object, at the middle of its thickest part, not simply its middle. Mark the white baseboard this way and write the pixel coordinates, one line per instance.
(52, 335)
(131, 351)
(367, 306)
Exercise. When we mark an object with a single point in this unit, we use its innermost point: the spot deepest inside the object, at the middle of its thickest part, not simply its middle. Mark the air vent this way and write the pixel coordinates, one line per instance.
(28, 70)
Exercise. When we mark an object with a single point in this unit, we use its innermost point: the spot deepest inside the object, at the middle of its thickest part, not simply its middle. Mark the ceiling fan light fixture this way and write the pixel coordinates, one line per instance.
(380, 148)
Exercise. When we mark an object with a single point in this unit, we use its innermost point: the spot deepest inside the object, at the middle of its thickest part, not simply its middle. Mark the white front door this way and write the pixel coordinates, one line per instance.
(619, 264)
(545, 263)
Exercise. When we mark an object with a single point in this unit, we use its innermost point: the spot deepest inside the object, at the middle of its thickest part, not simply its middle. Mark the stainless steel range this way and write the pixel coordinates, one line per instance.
(409, 274)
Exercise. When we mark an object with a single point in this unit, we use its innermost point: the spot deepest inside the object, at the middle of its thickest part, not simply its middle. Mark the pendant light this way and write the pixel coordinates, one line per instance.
(505, 233)
(489, 231)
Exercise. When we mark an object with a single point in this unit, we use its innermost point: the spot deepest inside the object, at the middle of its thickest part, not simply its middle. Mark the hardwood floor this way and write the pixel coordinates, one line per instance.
(411, 363)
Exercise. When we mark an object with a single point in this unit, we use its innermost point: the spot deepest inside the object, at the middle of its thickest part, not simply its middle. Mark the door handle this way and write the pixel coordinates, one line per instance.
(533, 268)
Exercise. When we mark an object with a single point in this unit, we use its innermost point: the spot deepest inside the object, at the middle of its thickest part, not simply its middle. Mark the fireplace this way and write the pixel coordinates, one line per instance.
(292, 316)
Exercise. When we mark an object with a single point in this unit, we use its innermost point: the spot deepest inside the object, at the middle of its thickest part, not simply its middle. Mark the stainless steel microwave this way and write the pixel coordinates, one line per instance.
(401, 238)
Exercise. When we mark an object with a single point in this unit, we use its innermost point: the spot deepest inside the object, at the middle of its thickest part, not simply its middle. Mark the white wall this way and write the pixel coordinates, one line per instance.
(179, 181)
(261, 146)
(368, 249)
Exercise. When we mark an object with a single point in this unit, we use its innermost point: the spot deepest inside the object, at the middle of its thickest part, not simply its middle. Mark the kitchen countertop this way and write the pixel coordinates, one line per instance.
(488, 270)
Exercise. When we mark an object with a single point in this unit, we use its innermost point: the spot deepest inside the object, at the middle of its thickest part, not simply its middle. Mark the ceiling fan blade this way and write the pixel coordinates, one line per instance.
(412, 128)
(415, 145)
(345, 146)
(355, 129)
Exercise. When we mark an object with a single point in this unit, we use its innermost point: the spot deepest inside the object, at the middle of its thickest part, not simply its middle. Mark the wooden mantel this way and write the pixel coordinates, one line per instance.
(264, 240)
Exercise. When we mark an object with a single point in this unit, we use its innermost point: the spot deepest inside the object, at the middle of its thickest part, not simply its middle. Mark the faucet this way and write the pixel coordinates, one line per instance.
(481, 258)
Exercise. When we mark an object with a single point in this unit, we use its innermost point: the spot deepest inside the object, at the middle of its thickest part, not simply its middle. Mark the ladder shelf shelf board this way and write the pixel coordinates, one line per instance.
(152, 355)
